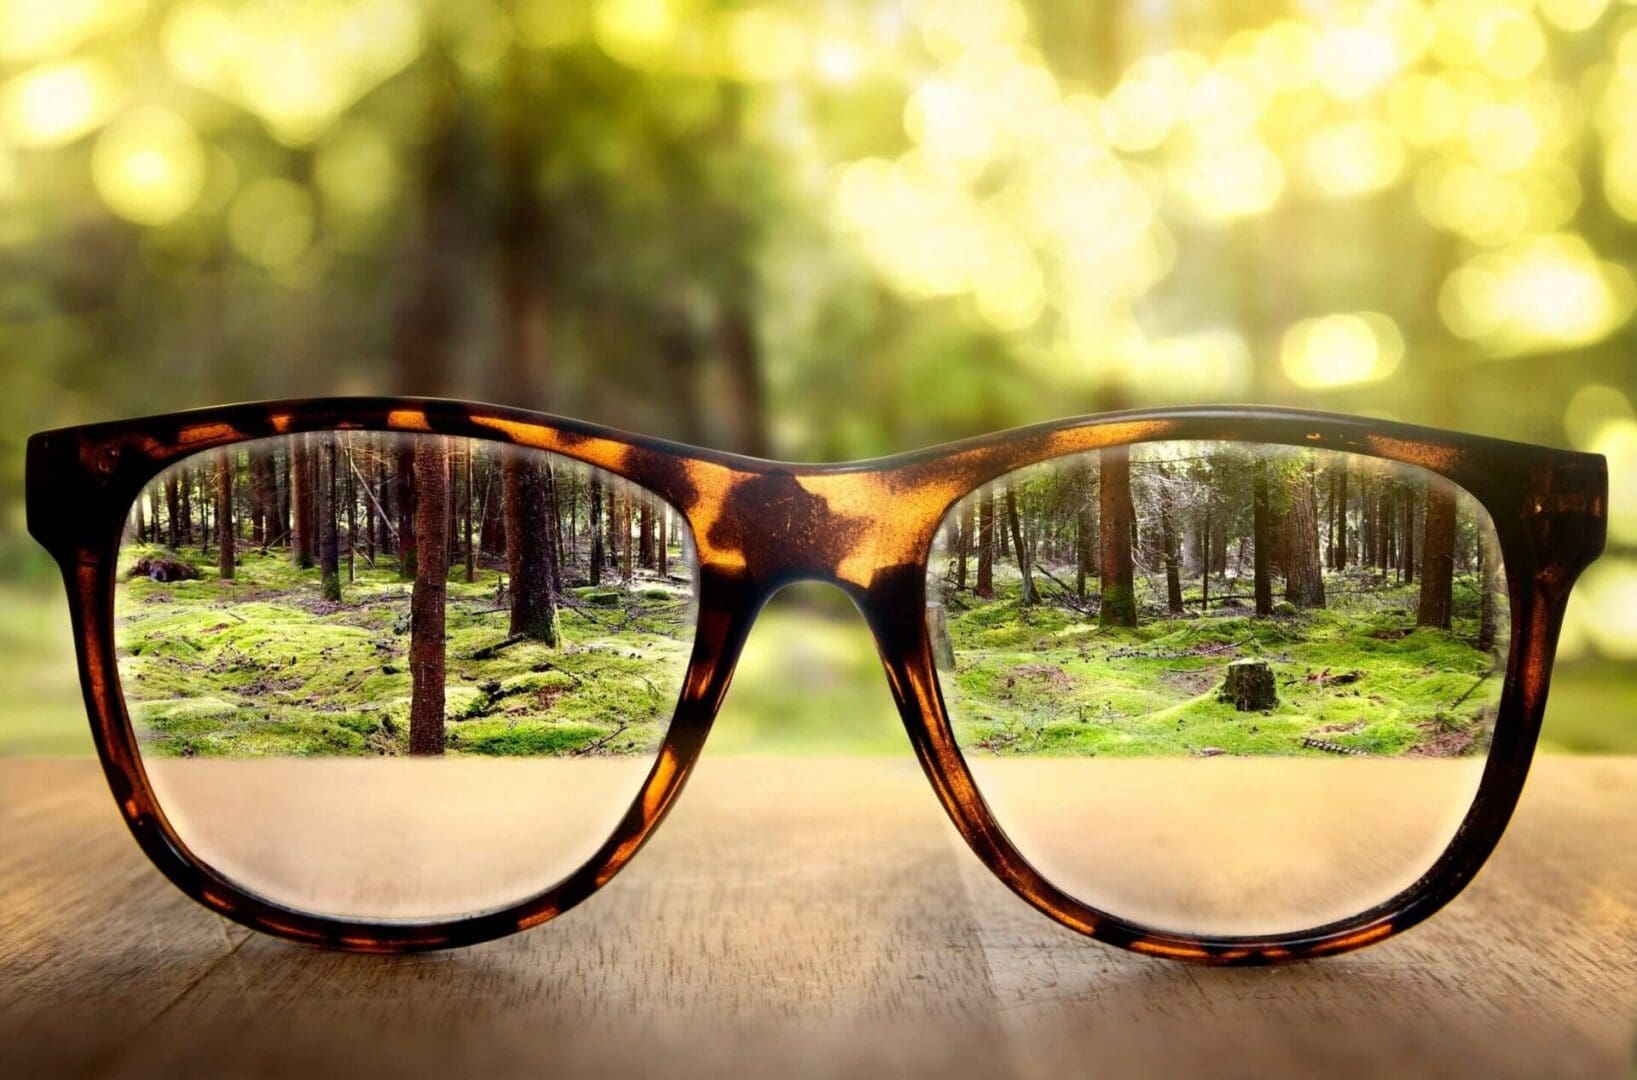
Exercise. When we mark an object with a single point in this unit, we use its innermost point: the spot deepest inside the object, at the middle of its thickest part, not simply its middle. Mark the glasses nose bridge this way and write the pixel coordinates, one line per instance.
(838, 527)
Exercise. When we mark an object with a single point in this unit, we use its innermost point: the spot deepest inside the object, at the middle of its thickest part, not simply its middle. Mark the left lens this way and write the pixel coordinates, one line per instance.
(399, 676)
(1222, 688)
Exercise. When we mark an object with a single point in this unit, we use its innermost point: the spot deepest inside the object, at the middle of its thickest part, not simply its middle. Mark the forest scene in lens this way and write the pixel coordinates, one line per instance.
(1202, 599)
(363, 594)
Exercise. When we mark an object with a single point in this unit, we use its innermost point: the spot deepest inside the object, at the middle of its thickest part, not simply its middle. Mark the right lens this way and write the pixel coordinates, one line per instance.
(1222, 688)
(399, 676)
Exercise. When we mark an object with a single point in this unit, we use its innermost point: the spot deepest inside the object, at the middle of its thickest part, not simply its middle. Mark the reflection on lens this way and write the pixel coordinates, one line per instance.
(1220, 688)
(399, 677)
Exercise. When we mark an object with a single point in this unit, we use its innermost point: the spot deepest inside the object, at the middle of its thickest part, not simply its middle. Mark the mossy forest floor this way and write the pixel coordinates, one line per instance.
(262, 665)
(1358, 677)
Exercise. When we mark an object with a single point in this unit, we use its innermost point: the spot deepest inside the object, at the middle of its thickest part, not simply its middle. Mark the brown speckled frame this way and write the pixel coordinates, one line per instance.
(866, 527)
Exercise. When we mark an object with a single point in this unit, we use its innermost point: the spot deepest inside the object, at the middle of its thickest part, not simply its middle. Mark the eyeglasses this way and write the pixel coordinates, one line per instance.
(1214, 684)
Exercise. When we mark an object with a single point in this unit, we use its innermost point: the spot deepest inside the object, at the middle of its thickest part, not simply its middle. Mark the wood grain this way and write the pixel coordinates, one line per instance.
(813, 919)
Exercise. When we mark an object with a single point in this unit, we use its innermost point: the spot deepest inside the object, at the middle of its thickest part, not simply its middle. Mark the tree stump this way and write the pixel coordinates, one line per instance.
(163, 570)
(1249, 686)
(943, 649)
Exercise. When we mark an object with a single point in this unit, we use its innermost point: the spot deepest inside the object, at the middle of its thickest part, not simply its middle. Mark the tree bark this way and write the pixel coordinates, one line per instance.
(1168, 540)
(528, 548)
(626, 546)
(662, 539)
(329, 540)
(407, 492)
(986, 544)
(1304, 577)
(595, 526)
(1205, 560)
(186, 488)
(645, 533)
(225, 564)
(1438, 556)
(1407, 547)
(471, 552)
(352, 513)
(301, 502)
(1250, 686)
(430, 472)
(1019, 548)
(1260, 540)
(173, 511)
(1490, 584)
(1341, 519)
(1116, 514)
(1083, 529)
(964, 548)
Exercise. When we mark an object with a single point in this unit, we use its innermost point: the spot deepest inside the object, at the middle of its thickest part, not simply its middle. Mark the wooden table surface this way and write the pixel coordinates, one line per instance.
(810, 918)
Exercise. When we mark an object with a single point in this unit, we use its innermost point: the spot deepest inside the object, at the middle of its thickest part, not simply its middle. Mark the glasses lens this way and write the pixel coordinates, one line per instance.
(1222, 688)
(399, 676)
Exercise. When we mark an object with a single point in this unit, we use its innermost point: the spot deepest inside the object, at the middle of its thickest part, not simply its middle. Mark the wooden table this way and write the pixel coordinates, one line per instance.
(810, 918)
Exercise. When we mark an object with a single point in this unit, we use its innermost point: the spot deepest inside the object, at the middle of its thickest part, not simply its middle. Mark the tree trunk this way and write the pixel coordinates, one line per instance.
(430, 472)
(471, 552)
(663, 539)
(381, 514)
(943, 649)
(611, 517)
(1019, 548)
(528, 548)
(1083, 529)
(186, 487)
(1261, 541)
(173, 513)
(407, 492)
(1489, 584)
(986, 544)
(352, 514)
(1438, 556)
(965, 547)
(224, 515)
(1249, 686)
(1407, 548)
(1341, 519)
(301, 502)
(1205, 560)
(645, 533)
(595, 526)
(626, 546)
(329, 540)
(1168, 540)
(1116, 514)
(1304, 577)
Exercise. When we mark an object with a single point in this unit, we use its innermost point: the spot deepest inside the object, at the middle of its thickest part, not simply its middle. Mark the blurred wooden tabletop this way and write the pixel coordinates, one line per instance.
(810, 918)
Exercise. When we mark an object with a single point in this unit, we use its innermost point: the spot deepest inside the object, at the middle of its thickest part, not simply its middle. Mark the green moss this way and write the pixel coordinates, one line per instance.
(1078, 688)
(265, 665)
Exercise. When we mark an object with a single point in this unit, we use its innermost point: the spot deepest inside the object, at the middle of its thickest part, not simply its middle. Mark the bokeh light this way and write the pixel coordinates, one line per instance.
(1608, 596)
(149, 166)
(58, 103)
(1352, 159)
(1542, 292)
(1341, 349)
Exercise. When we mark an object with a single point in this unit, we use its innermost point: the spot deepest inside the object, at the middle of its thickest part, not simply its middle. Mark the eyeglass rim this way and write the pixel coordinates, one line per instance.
(1549, 508)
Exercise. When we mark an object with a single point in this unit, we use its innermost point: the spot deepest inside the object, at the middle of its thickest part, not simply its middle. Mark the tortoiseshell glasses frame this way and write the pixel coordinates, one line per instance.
(865, 527)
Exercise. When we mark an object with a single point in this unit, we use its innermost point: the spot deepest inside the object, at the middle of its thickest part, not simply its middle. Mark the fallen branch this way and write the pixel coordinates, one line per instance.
(489, 651)
(1067, 593)
(592, 747)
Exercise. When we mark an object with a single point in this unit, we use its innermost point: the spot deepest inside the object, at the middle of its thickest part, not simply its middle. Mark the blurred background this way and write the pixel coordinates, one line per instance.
(820, 231)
